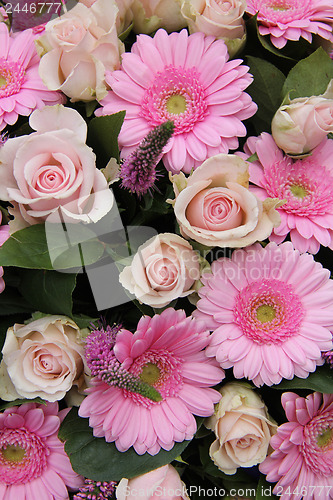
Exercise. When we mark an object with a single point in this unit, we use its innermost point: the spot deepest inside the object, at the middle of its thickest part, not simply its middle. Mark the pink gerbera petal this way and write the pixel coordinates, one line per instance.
(287, 20)
(33, 463)
(182, 78)
(166, 352)
(305, 184)
(302, 460)
(279, 333)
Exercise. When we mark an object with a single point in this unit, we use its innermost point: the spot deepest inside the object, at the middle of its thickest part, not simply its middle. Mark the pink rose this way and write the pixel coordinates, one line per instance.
(53, 169)
(214, 206)
(150, 15)
(301, 125)
(124, 16)
(44, 358)
(77, 49)
(163, 269)
(222, 19)
(242, 427)
(163, 483)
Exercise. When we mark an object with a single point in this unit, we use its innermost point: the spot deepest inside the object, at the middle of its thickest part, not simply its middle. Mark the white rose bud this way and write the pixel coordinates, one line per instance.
(242, 427)
(301, 125)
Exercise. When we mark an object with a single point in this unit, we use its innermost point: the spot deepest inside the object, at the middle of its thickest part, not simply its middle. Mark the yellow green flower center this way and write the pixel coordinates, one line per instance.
(176, 104)
(13, 453)
(150, 374)
(298, 191)
(3, 81)
(324, 438)
(265, 313)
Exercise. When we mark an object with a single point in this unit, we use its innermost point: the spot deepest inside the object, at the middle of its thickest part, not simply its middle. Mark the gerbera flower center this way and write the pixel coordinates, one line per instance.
(298, 191)
(150, 374)
(265, 313)
(22, 456)
(325, 438)
(175, 94)
(13, 453)
(268, 311)
(317, 448)
(12, 77)
(176, 104)
(279, 5)
(306, 186)
(162, 370)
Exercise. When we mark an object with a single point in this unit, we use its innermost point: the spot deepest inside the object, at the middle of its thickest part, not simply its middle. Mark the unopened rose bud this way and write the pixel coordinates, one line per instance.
(300, 126)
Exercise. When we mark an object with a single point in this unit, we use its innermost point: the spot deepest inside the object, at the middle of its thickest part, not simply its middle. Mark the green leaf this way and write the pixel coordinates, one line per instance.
(48, 291)
(321, 380)
(103, 134)
(29, 247)
(264, 490)
(90, 107)
(265, 90)
(310, 76)
(18, 402)
(95, 458)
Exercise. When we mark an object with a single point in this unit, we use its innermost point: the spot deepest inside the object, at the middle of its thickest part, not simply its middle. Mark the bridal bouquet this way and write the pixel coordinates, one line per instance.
(166, 307)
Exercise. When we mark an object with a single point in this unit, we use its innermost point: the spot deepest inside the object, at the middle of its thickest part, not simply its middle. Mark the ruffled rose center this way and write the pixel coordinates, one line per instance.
(22, 456)
(12, 77)
(160, 369)
(268, 311)
(317, 447)
(306, 186)
(175, 94)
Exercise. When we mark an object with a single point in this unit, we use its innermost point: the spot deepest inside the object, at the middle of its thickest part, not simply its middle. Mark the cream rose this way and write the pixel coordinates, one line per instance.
(44, 358)
(77, 49)
(163, 482)
(301, 125)
(219, 18)
(163, 269)
(242, 427)
(124, 16)
(150, 15)
(53, 169)
(214, 206)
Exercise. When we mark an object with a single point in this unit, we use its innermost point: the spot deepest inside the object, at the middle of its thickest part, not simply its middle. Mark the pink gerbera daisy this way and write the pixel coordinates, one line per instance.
(287, 20)
(166, 352)
(185, 79)
(33, 463)
(271, 310)
(302, 462)
(306, 185)
(21, 88)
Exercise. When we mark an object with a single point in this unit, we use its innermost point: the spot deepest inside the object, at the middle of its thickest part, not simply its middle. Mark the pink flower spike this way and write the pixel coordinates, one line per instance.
(305, 469)
(287, 20)
(32, 457)
(271, 310)
(21, 88)
(305, 184)
(185, 79)
(167, 352)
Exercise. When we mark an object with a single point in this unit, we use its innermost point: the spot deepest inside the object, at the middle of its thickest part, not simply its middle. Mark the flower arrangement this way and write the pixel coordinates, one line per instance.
(166, 228)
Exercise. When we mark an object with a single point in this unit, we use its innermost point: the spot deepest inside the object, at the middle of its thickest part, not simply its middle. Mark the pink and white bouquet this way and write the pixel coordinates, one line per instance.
(166, 228)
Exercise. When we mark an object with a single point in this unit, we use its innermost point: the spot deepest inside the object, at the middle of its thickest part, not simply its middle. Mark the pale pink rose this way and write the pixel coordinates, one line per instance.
(214, 206)
(219, 18)
(124, 16)
(150, 15)
(301, 125)
(163, 483)
(77, 49)
(242, 427)
(164, 268)
(53, 170)
(44, 358)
